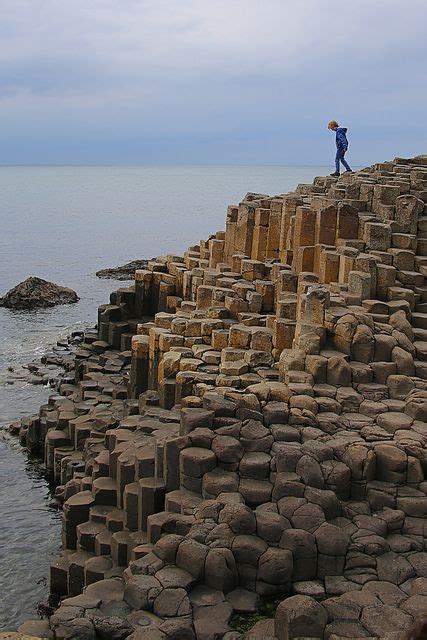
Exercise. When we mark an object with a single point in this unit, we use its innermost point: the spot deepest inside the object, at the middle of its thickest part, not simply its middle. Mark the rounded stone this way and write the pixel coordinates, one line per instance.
(393, 421)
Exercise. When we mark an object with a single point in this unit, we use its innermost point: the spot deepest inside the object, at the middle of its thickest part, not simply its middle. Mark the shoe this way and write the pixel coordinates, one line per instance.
(349, 170)
(336, 175)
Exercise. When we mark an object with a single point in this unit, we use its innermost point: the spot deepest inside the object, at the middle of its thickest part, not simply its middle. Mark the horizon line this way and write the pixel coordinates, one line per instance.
(159, 165)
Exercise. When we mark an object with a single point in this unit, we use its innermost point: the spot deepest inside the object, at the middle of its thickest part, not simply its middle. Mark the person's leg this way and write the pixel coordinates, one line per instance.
(337, 161)
(344, 162)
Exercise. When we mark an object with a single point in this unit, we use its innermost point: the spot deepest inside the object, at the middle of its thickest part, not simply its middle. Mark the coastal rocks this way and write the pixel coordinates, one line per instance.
(51, 369)
(36, 293)
(249, 423)
(124, 272)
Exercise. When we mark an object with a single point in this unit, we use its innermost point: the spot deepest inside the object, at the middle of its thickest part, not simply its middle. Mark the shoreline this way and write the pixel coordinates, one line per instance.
(242, 414)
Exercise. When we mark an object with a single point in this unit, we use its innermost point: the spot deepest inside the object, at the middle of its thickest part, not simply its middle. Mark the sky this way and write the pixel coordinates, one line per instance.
(210, 81)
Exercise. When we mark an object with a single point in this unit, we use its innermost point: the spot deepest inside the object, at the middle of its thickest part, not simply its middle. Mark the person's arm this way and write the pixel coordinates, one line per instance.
(341, 140)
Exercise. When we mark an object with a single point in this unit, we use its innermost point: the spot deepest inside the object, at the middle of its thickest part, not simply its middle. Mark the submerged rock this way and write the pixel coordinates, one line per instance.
(34, 293)
(125, 272)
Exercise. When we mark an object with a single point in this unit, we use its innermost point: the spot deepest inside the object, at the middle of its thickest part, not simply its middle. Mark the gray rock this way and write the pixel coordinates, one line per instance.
(248, 549)
(270, 525)
(172, 602)
(331, 540)
(382, 619)
(191, 556)
(124, 272)
(243, 601)
(349, 605)
(220, 570)
(77, 629)
(239, 517)
(36, 628)
(275, 567)
(262, 630)
(312, 588)
(35, 293)
(174, 577)
(302, 544)
(112, 628)
(341, 629)
(227, 449)
(167, 546)
(299, 617)
(141, 591)
(394, 568)
(178, 628)
(212, 622)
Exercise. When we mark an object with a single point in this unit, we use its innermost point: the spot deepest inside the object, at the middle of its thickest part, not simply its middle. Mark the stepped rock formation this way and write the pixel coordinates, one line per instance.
(36, 293)
(249, 422)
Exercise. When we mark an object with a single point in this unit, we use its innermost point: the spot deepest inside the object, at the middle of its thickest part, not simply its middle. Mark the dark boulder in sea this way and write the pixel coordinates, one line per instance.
(35, 293)
(125, 272)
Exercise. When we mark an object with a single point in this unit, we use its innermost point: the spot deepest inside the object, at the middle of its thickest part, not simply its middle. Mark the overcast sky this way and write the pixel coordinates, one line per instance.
(210, 81)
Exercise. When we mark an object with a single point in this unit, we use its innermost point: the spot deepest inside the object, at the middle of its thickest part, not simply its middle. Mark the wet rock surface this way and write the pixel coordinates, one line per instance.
(248, 425)
(123, 272)
(36, 293)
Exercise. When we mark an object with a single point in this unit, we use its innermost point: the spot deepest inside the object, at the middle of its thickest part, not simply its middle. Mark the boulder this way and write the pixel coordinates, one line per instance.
(35, 293)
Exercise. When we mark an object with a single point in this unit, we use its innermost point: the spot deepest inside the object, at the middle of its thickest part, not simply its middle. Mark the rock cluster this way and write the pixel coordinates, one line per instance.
(124, 272)
(35, 293)
(249, 422)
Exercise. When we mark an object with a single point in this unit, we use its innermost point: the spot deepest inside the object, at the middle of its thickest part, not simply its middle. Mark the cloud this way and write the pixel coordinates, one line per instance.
(205, 80)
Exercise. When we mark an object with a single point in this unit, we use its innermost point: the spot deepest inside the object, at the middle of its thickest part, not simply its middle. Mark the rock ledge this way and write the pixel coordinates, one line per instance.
(123, 272)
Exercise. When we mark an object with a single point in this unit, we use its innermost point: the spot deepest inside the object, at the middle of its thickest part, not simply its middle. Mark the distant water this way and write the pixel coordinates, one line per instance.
(63, 224)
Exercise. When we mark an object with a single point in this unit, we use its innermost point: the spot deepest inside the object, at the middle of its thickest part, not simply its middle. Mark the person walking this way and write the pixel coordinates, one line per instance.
(342, 146)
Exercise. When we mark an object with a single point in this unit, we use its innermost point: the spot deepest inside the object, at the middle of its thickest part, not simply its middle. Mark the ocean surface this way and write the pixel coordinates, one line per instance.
(63, 224)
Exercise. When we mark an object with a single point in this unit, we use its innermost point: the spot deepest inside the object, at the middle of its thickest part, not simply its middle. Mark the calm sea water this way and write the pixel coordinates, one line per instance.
(63, 224)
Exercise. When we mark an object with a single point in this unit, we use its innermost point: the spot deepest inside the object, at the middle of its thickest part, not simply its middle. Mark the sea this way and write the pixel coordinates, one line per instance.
(63, 223)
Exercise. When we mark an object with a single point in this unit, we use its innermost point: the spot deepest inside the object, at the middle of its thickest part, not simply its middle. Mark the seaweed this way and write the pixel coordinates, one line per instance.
(243, 622)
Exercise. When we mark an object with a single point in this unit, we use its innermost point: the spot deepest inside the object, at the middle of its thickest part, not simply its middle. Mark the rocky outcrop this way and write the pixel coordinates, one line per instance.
(36, 293)
(249, 422)
(125, 272)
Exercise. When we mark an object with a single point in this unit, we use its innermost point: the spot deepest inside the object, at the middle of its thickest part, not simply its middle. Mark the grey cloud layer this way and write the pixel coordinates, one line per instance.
(207, 73)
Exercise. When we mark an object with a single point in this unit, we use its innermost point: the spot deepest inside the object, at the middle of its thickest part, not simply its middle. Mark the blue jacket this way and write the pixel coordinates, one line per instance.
(341, 138)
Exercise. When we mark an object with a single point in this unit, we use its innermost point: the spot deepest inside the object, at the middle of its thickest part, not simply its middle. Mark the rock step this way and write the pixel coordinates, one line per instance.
(420, 334)
(167, 522)
(76, 571)
(420, 369)
(100, 568)
(419, 320)
(104, 491)
(72, 572)
(122, 544)
(182, 501)
(421, 349)
(86, 535)
(115, 520)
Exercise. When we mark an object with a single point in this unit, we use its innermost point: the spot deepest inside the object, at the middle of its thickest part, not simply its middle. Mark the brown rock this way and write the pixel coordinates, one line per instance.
(298, 616)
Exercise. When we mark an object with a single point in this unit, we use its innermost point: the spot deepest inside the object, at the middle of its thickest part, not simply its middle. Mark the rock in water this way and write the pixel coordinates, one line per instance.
(125, 272)
(34, 293)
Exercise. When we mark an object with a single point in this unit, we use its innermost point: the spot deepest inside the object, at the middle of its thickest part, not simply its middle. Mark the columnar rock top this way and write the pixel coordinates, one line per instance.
(249, 423)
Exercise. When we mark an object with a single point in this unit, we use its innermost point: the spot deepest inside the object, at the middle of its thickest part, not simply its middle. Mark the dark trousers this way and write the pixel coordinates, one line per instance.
(340, 158)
